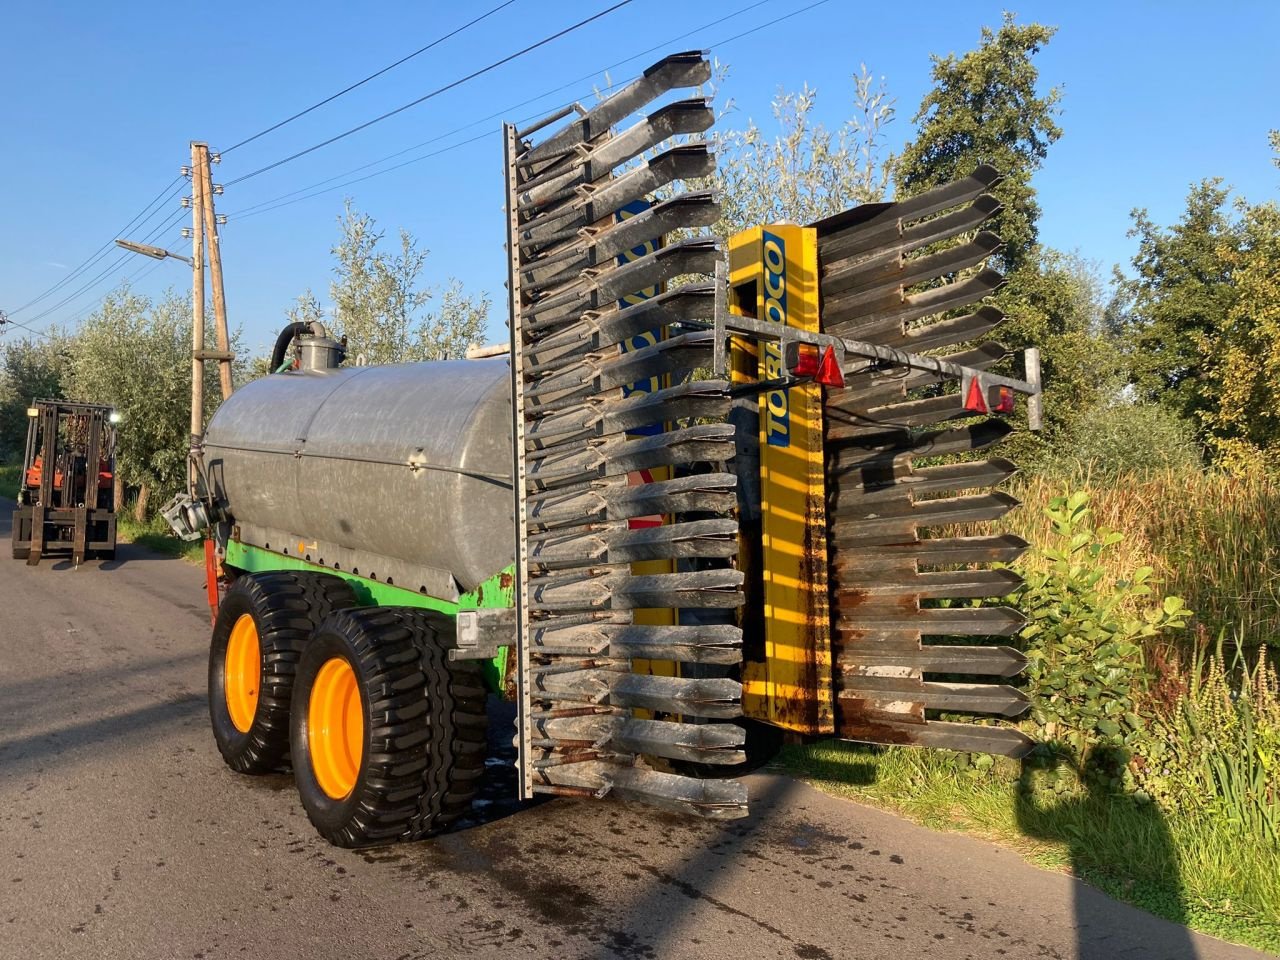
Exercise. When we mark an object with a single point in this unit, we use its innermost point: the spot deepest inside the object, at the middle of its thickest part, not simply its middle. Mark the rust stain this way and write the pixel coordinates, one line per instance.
(505, 581)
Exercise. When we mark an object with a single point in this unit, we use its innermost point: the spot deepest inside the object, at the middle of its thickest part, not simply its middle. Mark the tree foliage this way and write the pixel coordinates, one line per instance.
(135, 354)
(29, 369)
(805, 172)
(379, 303)
(984, 108)
(1240, 402)
(1178, 297)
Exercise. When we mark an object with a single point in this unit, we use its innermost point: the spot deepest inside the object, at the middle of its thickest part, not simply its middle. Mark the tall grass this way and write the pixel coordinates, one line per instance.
(1211, 539)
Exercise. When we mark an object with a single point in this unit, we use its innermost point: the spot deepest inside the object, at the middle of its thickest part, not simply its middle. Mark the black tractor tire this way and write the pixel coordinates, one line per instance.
(286, 607)
(423, 735)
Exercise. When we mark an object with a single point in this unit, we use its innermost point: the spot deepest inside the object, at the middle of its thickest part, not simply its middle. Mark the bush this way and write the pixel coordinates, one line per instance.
(1084, 644)
(1120, 438)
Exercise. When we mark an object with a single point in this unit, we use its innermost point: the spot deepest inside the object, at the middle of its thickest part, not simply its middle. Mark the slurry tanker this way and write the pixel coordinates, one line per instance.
(714, 494)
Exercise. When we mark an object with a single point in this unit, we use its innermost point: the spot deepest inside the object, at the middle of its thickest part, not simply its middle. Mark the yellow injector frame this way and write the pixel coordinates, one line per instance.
(773, 277)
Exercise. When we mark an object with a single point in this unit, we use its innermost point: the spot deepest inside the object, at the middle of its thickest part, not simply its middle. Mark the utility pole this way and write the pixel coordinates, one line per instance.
(197, 296)
(214, 248)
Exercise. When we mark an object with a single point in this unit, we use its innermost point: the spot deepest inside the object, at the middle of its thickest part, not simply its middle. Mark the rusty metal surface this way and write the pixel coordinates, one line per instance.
(910, 275)
(608, 324)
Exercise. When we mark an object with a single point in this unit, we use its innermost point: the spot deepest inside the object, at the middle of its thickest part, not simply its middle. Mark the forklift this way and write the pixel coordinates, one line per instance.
(66, 492)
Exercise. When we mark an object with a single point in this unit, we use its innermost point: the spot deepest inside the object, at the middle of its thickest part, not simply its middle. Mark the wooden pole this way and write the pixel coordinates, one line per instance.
(198, 153)
(215, 280)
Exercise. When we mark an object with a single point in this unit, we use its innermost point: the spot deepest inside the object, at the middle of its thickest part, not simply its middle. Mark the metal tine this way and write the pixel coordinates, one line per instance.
(942, 478)
(869, 281)
(552, 472)
(967, 509)
(956, 697)
(686, 161)
(611, 368)
(695, 538)
(937, 621)
(710, 799)
(702, 588)
(603, 287)
(936, 584)
(698, 742)
(931, 336)
(599, 631)
(899, 445)
(694, 697)
(617, 587)
(964, 737)
(942, 510)
(682, 118)
(601, 242)
(982, 180)
(701, 398)
(985, 661)
(939, 551)
(685, 69)
(710, 441)
(565, 439)
(689, 302)
(895, 416)
(836, 250)
(863, 389)
(710, 493)
(686, 211)
(848, 317)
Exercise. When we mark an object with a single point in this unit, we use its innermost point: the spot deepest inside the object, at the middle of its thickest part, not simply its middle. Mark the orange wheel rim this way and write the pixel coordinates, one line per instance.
(243, 673)
(335, 728)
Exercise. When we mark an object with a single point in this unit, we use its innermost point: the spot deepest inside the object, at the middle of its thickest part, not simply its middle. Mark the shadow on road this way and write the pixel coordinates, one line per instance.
(22, 755)
(1099, 819)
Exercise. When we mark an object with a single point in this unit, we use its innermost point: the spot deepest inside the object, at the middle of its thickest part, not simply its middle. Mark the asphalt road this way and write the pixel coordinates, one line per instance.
(123, 835)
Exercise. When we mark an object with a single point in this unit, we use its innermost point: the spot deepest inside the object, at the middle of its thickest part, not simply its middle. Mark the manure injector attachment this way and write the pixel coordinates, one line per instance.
(680, 519)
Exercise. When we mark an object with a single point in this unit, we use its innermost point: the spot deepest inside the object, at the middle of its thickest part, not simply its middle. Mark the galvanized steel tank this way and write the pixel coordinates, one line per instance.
(399, 472)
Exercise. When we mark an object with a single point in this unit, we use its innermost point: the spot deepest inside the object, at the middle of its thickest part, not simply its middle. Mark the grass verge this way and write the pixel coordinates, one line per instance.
(1197, 870)
(9, 480)
(154, 534)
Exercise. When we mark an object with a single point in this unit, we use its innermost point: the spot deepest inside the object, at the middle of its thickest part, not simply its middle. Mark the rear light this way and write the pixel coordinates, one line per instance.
(804, 360)
(829, 372)
(1001, 399)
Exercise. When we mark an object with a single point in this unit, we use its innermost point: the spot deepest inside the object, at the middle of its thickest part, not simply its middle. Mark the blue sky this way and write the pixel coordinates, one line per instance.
(101, 101)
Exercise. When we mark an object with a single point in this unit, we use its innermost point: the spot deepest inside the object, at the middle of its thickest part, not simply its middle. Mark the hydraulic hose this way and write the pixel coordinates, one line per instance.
(283, 341)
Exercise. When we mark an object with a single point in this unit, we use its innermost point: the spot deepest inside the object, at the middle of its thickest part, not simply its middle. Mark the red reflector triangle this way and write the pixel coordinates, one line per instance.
(829, 372)
(975, 401)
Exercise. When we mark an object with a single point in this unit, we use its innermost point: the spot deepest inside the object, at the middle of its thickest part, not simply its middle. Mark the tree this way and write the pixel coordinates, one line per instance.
(984, 108)
(379, 305)
(1178, 298)
(1239, 402)
(29, 369)
(806, 172)
(136, 355)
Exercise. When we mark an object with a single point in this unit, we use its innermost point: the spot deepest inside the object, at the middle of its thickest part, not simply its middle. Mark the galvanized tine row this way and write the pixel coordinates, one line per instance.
(902, 275)
(627, 536)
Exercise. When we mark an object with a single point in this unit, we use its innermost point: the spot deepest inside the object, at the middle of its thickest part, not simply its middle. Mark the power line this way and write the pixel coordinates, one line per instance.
(109, 269)
(360, 83)
(434, 93)
(254, 209)
(101, 252)
(284, 200)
